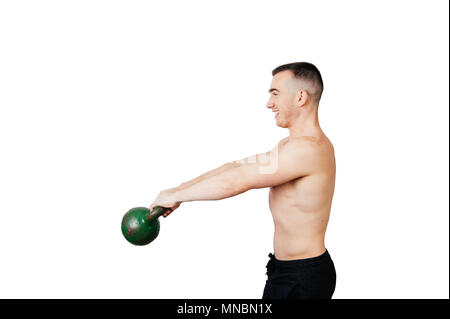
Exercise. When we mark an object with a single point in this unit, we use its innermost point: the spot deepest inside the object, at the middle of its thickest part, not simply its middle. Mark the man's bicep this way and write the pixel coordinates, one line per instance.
(274, 168)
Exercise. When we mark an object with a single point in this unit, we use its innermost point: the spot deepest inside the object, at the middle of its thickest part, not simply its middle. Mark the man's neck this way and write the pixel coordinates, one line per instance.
(306, 125)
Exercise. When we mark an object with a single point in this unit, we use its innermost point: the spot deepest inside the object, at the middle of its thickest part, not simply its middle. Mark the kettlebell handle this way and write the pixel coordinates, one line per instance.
(156, 213)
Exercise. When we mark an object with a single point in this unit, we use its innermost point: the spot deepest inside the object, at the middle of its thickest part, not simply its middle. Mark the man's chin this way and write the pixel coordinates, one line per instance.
(280, 124)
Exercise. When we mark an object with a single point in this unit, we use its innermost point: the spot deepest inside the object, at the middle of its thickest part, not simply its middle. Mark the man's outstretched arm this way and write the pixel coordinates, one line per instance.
(288, 163)
(166, 198)
(214, 185)
(292, 161)
(208, 174)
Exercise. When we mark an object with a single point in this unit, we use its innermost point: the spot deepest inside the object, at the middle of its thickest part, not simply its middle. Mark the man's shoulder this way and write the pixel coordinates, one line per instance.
(310, 145)
(304, 142)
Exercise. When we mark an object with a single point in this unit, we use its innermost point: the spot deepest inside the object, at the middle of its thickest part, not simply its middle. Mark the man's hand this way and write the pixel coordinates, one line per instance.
(166, 198)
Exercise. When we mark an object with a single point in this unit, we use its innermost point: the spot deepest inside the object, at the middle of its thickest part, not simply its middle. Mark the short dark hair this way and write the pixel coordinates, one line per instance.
(304, 71)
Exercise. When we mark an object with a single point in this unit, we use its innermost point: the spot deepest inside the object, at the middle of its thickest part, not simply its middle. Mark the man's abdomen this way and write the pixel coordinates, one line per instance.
(298, 234)
(288, 246)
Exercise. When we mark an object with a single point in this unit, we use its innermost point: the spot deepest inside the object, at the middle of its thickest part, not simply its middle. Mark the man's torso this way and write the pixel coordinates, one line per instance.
(301, 207)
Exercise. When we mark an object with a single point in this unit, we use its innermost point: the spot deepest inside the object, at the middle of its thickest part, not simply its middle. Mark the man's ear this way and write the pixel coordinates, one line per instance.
(302, 97)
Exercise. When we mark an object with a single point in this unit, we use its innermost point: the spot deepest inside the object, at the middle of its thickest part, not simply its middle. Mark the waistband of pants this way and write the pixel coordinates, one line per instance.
(300, 262)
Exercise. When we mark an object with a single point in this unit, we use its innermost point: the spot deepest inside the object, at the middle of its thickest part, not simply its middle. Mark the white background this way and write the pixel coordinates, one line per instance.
(105, 103)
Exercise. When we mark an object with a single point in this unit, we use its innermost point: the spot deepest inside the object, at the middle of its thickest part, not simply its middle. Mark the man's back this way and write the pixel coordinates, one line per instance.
(301, 207)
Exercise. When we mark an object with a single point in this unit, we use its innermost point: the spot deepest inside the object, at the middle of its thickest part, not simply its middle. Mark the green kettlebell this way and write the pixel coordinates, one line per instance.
(140, 226)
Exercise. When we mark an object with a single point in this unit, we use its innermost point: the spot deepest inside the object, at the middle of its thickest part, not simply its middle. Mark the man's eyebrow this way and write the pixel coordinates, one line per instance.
(273, 89)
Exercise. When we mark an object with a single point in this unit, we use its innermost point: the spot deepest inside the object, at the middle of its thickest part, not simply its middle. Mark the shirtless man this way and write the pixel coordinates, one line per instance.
(301, 176)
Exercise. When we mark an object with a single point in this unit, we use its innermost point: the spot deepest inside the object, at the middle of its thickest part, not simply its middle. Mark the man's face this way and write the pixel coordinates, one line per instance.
(282, 98)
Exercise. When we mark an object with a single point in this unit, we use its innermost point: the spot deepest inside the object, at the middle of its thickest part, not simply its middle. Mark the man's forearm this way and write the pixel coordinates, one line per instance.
(213, 185)
(213, 172)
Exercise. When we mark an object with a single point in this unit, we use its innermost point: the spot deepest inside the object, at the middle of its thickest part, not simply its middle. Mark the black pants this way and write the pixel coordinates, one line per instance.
(310, 278)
